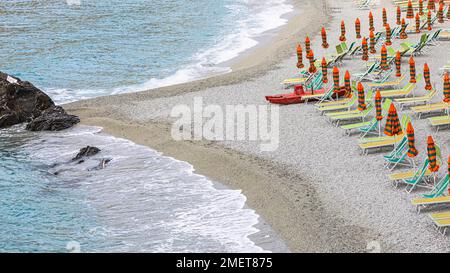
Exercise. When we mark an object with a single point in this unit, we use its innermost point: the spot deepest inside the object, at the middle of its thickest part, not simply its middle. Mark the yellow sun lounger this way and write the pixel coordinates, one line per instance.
(428, 108)
(439, 121)
(421, 99)
(423, 202)
(396, 82)
(404, 175)
(332, 103)
(441, 220)
(291, 81)
(403, 92)
(365, 146)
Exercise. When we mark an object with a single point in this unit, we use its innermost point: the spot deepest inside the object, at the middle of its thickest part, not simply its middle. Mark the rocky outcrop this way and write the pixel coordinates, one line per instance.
(86, 151)
(21, 101)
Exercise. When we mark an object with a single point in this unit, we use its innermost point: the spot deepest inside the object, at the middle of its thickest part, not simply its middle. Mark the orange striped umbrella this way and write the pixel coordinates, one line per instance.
(399, 16)
(429, 21)
(371, 27)
(337, 88)
(410, 11)
(431, 150)
(384, 65)
(441, 13)
(324, 70)
(448, 11)
(398, 64)
(417, 23)
(361, 98)
(324, 38)
(307, 44)
(312, 67)
(412, 151)
(431, 6)
(392, 127)
(365, 49)
(426, 75)
(358, 28)
(446, 87)
(388, 35)
(421, 8)
(372, 43)
(342, 38)
(403, 34)
(348, 88)
(300, 57)
(384, 17)
(379, 115)
(412, 70)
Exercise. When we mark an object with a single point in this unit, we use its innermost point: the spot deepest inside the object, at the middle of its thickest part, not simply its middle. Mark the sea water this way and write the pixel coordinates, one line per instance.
(142, 200)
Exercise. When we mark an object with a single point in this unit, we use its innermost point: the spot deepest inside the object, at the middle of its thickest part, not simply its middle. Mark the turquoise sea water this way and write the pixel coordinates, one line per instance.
(142, 201)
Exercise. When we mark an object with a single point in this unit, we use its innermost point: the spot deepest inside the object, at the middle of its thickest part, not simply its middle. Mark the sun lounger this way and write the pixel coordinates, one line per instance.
(385, 84)
(347, 105)
(424, 202)
(396, 177)
(421, 99)
(441, 220)
(346, 117)
(320, 97)
(438, 190)
(440, 121)
(430, 108)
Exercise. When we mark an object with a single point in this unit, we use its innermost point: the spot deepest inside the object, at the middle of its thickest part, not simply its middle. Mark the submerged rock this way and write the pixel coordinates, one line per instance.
(86, 151)
(53, 119)
(21, 101)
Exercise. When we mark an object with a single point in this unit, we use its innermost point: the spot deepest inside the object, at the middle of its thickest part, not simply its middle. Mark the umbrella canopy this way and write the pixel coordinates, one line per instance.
(392, 127)
(372, 43)
(384, 17)
(371, 27)
(337, 88)
(348, 88)
(430, 27)
(421, 8)
(358, 28)
(398, 64)
(312, 67)
(440, 13)
(410, 11)
(446, 87)
(342, 38)
(307, 44)
(431, 6)
(417, 23)
(412, 151)
(426, 75)
(300, 57)
(361, 98)
(412, 70)
(384, 65)
(448, 11)
(388, 35)
(403, 34)
(324, 70)
(379, 113)
(365, 49)
(324, 38)
(399, 16)
(431, 151)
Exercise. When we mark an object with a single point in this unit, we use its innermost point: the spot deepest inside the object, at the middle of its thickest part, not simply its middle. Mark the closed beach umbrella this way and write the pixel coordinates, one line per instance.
(398, 64)
(448, 11)
(337, 88)
(412, 70)
(431, 150)
(358, 28)
(324, 38)
(392, 127)
(300, 57)
(446, 87)
(307, 45)
(441, 13)
(417, 23)
(412, 151)
(342, 38)
(403, 34)
(388, 35)
(371, 27)
(324, 70)
(372, 43)
(312, 67)
(379, 115)
(348, 88)
(384, 17)
(365, 49)
(431, 6)
(399, 16)
(384, 65)
(410, 11)
(361, 98)
(429, 21)
(421, 8)
(426, 75)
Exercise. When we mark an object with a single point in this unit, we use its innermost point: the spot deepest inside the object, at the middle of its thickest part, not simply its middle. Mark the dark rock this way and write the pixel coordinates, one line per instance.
(102, 164)
(86, 151)
(52, 119)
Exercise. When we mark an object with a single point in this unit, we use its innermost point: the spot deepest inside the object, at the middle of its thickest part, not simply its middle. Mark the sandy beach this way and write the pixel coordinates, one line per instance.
(317, 191)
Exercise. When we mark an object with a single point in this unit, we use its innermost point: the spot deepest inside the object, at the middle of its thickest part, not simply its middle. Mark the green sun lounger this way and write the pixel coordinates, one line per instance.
(440, 121)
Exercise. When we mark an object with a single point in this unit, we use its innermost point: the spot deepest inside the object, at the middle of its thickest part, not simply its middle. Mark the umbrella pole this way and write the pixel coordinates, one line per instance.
(379, 128)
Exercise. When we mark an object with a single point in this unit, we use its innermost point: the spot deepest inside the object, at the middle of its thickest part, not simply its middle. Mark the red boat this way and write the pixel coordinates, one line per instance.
(292, 98)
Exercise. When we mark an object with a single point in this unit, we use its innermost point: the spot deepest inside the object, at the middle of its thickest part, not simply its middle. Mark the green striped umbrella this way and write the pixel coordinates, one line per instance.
(392, 127)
